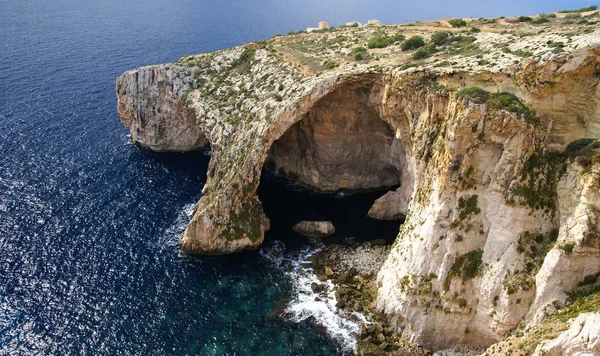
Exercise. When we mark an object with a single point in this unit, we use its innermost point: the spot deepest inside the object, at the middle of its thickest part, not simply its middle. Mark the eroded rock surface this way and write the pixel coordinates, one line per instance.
(340, 144)
(582, 338)
(501, 221)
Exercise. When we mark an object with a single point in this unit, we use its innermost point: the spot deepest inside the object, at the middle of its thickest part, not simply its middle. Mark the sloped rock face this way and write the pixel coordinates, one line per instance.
(340, 144)
(149, 104)
(495, 229)
(582, 338)
(391, 206)
(486, 244)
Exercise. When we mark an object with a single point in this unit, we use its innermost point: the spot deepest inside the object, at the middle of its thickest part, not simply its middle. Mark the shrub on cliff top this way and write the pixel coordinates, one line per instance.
(244, 61)
(499, 101)
(585, 9)
(413, 43)
(381, 40)
(509, 102)
(541, 20)
(331, 64)
(457, 23)
(440, 37)
(359, 53)
(421, 53)
(474, 94)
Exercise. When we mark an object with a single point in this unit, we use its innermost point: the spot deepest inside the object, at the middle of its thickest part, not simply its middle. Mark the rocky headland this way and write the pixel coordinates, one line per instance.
(484, 130)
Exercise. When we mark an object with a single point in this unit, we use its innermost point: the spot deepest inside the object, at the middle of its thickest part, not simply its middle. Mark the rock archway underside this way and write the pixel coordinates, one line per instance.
(476, 178)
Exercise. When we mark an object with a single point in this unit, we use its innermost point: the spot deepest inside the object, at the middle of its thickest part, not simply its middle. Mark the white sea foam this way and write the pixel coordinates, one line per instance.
(171, 235)
(340, 326)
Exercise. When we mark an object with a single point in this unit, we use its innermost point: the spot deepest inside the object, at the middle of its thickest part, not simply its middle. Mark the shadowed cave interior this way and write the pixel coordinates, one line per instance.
(332, 165)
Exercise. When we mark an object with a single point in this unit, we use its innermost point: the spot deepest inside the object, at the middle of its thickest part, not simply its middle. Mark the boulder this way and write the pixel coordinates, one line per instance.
(318, 287)
(391, 206)
(315, 228)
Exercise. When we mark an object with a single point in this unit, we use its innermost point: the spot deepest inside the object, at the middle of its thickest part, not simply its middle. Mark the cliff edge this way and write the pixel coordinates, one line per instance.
(490, 131)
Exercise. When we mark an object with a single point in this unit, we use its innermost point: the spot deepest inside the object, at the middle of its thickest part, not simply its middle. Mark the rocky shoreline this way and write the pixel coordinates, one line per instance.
(491, 136)
(352, 268)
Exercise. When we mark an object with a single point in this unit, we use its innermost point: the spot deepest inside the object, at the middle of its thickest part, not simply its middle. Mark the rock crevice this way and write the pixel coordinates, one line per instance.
(495, 229)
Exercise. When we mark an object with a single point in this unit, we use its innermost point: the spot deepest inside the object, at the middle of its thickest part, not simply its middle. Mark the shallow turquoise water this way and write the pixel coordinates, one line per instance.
(89, 261)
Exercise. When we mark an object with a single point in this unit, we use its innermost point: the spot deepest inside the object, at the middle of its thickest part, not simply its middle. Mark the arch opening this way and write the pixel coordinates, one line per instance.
(340, 144)
(333, 164)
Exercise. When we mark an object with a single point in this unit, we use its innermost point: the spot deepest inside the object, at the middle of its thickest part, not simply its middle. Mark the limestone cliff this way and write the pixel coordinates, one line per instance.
(483, 138)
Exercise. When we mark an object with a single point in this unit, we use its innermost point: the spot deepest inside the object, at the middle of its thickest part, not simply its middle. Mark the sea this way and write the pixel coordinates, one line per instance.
(89, 223)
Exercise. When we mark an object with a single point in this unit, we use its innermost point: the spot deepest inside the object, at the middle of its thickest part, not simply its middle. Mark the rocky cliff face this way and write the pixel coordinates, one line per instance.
(501, 221)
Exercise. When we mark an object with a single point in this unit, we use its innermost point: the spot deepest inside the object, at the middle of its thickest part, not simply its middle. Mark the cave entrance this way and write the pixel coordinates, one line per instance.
(340, 144)
(332, 165)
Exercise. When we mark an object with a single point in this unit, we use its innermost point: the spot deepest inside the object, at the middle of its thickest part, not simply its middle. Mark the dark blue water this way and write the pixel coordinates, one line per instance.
(89, 260)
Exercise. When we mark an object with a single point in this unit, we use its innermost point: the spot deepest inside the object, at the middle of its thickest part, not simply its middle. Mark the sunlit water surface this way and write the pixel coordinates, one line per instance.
(89, 224)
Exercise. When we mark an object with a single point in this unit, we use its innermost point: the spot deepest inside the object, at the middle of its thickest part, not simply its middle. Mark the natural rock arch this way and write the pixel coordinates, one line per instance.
(340, 144)
(457, 150)
(234, 220)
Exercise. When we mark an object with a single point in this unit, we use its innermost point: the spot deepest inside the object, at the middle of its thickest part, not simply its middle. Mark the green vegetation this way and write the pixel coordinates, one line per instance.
(557, 323)
(421, 53)
(359, 53)
(296, 32)
(457, 23)
(539, 21)
(585, 9)
(533, 248)
(585, 151)
(499, 101)
(331, 64)
(381, 40)
(525, 19)
(519, 52)
(466, 267)
(538, 182)
(455, 44)
(185, 95)
(475, 30)
(541, 172)
(244, 62)
(468, 206)
(557, 46)
(567, 247)
(408, 65)
(413, 43)
(509, 102)
(440, 37)
(474, 94)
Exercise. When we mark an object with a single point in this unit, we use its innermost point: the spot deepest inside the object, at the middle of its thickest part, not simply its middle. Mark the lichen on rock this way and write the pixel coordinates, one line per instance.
(501, 213)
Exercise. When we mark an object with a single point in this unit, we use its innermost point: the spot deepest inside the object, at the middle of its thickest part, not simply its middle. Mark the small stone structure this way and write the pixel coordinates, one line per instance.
(323, 25)
(374, 22)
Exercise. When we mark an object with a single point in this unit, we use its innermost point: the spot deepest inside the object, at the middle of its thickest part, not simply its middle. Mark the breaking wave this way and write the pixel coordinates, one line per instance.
(314, 307)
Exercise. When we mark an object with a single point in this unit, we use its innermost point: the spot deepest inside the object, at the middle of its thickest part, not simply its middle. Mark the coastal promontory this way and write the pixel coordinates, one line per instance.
(485, 132)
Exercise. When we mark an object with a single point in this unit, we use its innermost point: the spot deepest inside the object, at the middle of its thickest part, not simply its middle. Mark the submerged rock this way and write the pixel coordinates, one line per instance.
(315, 228)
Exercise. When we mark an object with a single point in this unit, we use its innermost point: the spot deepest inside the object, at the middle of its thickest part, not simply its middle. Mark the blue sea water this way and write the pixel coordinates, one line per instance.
(89, 224)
